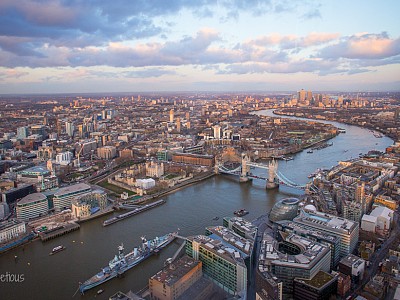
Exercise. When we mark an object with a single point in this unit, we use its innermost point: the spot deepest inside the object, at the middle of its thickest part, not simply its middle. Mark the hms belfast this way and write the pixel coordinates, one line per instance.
(121, 262)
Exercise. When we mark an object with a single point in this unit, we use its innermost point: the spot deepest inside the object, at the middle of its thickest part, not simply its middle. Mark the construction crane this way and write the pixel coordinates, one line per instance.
(78, 156)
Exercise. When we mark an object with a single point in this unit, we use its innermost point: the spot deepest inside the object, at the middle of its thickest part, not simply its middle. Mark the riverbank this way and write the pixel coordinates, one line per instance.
(175, 188)
(17, 243)
(317, 136)
(334, 118)
(191, 208)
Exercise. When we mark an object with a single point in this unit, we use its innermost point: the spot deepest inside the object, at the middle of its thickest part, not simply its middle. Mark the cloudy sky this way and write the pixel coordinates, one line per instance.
(198, 45)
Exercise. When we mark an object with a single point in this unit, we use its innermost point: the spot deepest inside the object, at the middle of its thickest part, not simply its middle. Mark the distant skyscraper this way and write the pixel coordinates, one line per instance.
(178, 124)
(360, 192)
(69, 128)
(38, 129)
(302, 95)
(59, 126)
(22, 132)
(397, 114)
(309, 96)
(171, 115)
(217, 131)
(340, 100)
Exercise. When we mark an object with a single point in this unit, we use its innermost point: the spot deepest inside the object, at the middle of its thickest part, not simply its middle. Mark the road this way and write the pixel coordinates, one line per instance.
(380, 254)
(261, 223)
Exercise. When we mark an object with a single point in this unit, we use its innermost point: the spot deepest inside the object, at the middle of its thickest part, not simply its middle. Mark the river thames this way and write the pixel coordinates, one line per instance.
(190, 209)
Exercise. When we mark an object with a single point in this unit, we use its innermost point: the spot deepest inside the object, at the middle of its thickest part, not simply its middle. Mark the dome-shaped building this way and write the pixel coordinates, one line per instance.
(310, 207)
(285, 209)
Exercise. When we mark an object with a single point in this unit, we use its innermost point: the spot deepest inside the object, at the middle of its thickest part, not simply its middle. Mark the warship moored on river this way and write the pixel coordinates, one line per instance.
(121, 263)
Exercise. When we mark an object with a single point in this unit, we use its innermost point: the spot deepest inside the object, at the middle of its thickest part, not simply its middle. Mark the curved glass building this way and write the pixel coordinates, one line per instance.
(285, 209)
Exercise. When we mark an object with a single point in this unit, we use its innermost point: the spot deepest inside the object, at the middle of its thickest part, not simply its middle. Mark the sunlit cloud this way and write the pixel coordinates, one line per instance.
(66, 41)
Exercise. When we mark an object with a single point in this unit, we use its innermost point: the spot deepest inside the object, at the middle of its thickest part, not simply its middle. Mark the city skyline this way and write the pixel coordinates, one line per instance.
(55, 47)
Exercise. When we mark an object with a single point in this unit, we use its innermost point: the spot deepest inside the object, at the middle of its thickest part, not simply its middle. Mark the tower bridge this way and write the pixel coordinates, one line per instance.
(273, 178)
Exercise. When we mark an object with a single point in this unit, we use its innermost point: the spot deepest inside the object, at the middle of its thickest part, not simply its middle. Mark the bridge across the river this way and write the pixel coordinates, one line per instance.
(274, 178)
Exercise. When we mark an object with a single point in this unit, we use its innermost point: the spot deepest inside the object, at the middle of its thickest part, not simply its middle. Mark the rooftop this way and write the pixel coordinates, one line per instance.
(318, 281)
(173, 273)
(352, 261)
(122, 296)
(196, 288)
(243, 225)
(9, 223)
(37, 169)
(310, 252)
(220, 248)
(300, 229)
(71, 189)
(227, 236)
(326, 220)
(32, 198)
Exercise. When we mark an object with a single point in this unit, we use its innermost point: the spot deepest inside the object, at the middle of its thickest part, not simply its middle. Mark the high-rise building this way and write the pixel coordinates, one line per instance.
(217, 132)
(59, 126)
(327, 239)
(171, 115)
(302, 95)
(222, 263)
(107, 152)
(345, 229)
(81, 130)
(22, 132)
(309, 96)
(39, 129)
(64, 158)
(69, 128)
(360, 192)
(397, 114)
(178, 124)
(291, 256)
(352, 211)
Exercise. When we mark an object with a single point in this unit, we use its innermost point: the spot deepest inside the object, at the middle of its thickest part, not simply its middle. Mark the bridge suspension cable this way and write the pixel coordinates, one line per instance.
(281, 177)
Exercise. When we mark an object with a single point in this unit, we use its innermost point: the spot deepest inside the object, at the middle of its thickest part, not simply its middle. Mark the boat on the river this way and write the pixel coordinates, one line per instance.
(287, 158)
(57, 249)
(241, 212)
(121, 262)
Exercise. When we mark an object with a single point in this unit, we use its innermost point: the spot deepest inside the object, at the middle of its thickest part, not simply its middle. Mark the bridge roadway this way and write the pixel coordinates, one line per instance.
(281, 177)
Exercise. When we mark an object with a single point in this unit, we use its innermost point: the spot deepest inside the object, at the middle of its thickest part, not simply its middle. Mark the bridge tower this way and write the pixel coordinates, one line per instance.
(216, 166)
(272, 181)
(245, 168)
